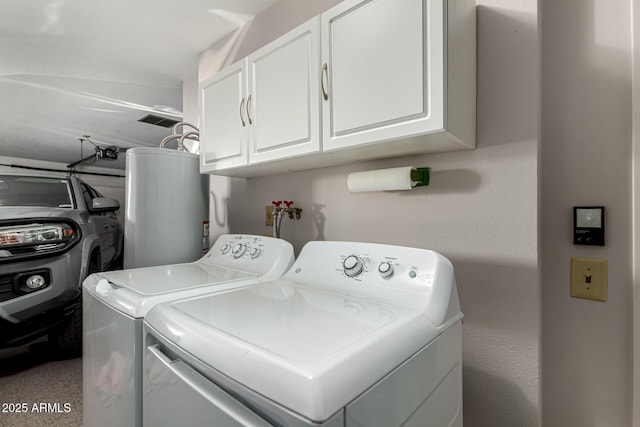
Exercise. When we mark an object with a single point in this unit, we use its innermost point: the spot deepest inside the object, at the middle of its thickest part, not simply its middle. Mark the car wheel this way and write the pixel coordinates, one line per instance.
(67, 342)
(117, 263)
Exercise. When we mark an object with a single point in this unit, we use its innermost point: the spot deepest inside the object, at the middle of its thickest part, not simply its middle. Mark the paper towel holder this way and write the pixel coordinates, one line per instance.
(420, 176)
(399, 178)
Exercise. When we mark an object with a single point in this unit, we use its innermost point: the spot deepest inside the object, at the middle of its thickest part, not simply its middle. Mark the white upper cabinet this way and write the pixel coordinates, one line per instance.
(284, 97)
(367, 79)
(223, 121)
(384, 76)
(265, 107)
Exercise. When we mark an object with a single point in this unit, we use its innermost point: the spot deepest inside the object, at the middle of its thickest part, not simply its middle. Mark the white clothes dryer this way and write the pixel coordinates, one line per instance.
(355, 334)
(115, 303)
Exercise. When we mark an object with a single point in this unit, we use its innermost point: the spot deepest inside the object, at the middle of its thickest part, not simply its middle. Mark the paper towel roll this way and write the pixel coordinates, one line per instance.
(381, 180)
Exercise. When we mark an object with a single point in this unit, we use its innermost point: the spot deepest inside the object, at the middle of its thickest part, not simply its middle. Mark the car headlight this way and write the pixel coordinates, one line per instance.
(41, 237)
(35, 234)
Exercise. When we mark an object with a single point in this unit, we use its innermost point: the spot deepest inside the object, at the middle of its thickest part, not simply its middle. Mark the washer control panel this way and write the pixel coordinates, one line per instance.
(257, 254)
(253, 248)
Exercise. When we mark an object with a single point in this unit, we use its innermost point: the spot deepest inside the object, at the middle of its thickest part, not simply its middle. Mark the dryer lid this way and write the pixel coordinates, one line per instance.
(309, 350)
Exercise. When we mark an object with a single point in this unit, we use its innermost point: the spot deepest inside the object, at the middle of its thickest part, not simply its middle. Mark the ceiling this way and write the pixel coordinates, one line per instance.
(71, 68)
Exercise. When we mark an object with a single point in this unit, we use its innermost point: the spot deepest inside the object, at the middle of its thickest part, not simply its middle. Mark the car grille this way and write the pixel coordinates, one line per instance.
(6, 288)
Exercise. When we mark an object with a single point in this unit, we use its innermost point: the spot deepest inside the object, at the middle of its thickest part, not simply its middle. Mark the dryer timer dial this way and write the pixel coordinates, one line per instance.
(352, 265)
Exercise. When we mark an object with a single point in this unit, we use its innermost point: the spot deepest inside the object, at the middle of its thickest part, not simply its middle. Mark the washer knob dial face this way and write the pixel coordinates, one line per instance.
(352, 265)
(238, 250)
(254, 253)
(226, 248)
(385, 269)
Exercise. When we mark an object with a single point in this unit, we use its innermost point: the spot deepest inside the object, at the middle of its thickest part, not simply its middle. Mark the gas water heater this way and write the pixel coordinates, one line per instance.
(167, 208)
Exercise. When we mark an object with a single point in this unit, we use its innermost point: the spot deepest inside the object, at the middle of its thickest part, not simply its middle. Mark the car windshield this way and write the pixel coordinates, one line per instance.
(34, 191)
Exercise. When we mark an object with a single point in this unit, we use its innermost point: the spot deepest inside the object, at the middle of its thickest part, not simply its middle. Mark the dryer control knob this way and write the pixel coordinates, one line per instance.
(385, 269)
(238, 250)
(225, 249)
(352, 265)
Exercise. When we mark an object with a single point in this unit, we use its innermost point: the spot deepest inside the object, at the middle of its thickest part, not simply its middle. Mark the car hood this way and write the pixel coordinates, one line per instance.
(20, 212)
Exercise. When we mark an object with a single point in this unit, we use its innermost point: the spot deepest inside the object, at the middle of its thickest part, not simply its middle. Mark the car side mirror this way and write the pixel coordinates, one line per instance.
(103, 204)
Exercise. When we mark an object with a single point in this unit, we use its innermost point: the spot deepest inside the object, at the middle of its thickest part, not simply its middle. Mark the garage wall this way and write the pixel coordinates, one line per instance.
(481, 209)
(586, 158)
(636, 210)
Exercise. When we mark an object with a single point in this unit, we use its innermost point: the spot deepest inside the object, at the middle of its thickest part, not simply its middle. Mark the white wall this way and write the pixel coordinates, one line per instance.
(586, 160)
(481, 209)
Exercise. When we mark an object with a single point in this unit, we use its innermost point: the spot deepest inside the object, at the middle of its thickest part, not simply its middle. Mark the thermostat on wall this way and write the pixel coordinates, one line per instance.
(588, 225)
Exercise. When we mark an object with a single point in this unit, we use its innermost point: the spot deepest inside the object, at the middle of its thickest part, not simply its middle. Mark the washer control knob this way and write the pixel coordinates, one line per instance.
(385, 269)
(226, 248)
(352, 265)
(254, 252)
(238, 250)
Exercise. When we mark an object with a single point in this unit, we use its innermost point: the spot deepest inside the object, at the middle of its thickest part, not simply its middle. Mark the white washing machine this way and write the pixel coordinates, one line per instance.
(355, 334)
(115, 303)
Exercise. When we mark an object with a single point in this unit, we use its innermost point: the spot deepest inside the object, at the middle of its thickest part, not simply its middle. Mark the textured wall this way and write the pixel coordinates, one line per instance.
(586, 160)
(481, 209)
(636, 211)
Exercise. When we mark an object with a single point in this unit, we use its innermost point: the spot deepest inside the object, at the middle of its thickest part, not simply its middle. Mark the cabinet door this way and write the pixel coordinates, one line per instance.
(223, 121)
(284, 99)
(384, 71)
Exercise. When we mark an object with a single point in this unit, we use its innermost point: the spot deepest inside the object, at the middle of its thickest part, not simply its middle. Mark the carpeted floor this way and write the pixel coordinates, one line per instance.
(37, 391)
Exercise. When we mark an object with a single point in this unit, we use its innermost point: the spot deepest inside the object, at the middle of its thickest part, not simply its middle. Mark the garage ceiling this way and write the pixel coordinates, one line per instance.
(70, 68)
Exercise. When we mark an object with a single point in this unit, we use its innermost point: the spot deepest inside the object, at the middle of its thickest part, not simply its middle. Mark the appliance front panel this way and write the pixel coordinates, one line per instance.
(112, 357)
(177, 395)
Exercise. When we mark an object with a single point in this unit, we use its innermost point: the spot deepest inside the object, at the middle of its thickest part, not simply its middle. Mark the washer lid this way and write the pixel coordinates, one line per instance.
(171, 278)
(309, 350)
(134, 292)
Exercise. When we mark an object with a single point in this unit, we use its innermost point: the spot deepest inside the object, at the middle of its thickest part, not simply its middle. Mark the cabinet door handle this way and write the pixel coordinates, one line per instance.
(249, 109)
(241, 116)
(325, 75)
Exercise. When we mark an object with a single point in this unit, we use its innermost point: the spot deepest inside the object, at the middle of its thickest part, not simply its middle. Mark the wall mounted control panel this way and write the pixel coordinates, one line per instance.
(588, 225)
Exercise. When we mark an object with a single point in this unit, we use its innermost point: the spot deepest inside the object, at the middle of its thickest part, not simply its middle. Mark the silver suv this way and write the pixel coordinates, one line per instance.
(54, 232)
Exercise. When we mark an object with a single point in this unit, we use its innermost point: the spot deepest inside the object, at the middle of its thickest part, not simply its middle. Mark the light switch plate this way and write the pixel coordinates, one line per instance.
(268, 211)
(589, 278)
